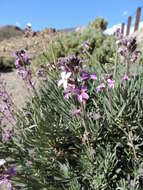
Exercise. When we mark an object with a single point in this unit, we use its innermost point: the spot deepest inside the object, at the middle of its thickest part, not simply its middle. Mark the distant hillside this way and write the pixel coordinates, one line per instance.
(12, 38)
(67, 30)
(9, 31)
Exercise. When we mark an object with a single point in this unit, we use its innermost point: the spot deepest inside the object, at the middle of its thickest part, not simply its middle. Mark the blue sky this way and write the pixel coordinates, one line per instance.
(64, 13)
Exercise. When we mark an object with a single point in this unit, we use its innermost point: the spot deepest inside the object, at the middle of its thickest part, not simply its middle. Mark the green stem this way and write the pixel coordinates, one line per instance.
(127, 73)
(103, 67)
(128, 134)
(116, 63)
(110, 102)
(84, 118)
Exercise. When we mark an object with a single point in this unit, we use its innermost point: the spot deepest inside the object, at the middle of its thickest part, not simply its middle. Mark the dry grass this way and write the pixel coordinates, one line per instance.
(34, 45)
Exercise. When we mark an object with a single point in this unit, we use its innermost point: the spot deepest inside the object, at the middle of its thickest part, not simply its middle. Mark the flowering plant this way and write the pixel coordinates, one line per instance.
(82, 129)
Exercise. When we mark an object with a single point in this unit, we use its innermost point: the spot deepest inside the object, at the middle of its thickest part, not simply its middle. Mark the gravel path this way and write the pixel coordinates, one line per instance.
(15, 87)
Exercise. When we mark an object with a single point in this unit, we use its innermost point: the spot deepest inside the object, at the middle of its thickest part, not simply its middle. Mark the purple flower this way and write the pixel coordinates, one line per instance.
(93, 76)
(5, 135)
(118, 34)
(86, 75)
(81, 94)
(21, 57)
(85, 46)
(42, 72)
(110, 83)
(75, 112)
(22, 65)
(5, 176)
(101, 87)
(25, 73)
(134, 56)
(69, 90)
(67, 95)
(69, 64)
(125, 77)
(121, 51)
(12, 171)
(17, 63)
(4, 95)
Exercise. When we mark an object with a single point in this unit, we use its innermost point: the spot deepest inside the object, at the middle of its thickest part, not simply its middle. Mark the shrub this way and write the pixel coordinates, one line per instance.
(87, 135)
(102, 47)
(99, 23)
(6, 63)
(9, 31)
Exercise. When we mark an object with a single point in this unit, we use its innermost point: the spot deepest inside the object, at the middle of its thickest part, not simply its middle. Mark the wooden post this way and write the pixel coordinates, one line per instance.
(122, 28)
(138, 14)
(128, 25)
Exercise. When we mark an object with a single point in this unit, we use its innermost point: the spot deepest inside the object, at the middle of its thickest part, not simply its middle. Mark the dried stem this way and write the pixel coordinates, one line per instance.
(131, 141)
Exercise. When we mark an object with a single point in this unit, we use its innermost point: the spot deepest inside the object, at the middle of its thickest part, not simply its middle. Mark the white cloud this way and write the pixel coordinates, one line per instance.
(125, 13)
(141, 25)
(111, 30)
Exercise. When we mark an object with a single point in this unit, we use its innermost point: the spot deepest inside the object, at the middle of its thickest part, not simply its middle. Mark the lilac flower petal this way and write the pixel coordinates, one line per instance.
(110, 83)
(12, 171)
(5, 135)
(24, 74)
(67, 95)
(85, 96)
(83, 88)
(17, 63)
(93, 76)
(80, 98)
(84, 75)
(125, 77)
(15, 54)
(76, 90)
(100, 87)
